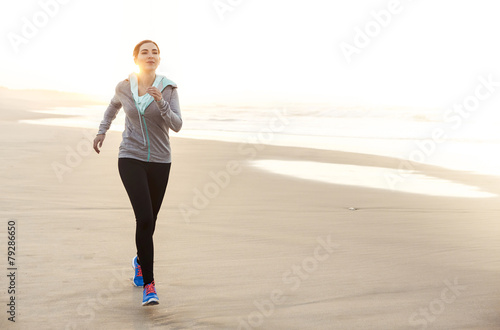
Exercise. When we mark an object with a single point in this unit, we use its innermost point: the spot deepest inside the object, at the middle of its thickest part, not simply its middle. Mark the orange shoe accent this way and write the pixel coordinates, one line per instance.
(150, 288)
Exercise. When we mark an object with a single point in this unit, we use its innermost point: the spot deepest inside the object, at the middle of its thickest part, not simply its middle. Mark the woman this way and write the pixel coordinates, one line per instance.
(151, 106)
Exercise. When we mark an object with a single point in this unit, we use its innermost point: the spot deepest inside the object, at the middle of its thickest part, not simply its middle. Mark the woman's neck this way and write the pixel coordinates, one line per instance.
(146, 79)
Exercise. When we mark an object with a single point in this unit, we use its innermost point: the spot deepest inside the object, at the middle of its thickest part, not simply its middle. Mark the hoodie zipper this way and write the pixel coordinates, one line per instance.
(146, 126)
(141, 116)
(147, 137)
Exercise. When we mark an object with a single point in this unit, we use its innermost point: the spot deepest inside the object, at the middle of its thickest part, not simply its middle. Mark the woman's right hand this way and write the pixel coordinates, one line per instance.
(99, 139)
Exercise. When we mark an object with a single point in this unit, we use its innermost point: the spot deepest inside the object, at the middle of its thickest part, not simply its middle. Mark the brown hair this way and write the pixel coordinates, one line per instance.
(138, 47)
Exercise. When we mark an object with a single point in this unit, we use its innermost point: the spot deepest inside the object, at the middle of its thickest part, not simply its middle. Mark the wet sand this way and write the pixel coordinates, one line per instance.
(237, 247)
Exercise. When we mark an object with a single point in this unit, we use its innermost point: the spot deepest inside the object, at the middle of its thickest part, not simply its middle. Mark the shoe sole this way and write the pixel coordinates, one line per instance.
(151, 302)
(133, 282)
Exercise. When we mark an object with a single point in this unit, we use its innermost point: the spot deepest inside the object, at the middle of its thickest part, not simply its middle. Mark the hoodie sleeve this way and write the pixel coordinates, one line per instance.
(171, 111)
(110, 114)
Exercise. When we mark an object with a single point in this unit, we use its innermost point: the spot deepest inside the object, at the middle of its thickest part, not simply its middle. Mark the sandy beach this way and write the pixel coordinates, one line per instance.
(237, 247)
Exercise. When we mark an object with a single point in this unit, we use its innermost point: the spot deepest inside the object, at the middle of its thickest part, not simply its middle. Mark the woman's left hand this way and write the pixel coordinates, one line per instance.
(154, 92)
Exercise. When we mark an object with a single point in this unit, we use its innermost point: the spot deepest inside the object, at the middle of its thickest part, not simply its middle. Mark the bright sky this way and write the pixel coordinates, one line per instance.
(420, 53)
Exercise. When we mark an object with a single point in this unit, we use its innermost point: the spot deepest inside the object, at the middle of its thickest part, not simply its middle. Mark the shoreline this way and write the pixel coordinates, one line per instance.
(454, 154)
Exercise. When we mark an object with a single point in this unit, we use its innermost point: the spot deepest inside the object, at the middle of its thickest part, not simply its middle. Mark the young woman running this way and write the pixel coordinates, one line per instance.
(151, 106)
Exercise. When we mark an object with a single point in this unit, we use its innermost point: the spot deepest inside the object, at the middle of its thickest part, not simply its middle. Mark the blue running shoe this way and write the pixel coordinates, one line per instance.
(149, 296)
(138, 281)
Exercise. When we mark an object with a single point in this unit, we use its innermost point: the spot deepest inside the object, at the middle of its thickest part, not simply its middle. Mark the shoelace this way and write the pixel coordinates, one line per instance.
(139, 270)
(150, 288)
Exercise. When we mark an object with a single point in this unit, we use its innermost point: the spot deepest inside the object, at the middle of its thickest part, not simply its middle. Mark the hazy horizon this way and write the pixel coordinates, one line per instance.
(422, 54)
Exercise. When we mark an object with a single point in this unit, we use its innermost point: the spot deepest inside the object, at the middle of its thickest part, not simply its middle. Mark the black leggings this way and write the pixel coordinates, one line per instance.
(145, 184)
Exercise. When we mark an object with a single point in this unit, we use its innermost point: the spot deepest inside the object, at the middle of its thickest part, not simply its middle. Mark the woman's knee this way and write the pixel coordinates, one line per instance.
(145, 224)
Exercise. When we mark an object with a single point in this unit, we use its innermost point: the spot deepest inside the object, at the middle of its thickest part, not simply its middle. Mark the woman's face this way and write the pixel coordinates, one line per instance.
(148, 58)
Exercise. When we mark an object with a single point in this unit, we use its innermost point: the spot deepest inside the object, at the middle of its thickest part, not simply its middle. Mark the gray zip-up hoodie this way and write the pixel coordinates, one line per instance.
(146, 135)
